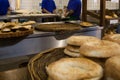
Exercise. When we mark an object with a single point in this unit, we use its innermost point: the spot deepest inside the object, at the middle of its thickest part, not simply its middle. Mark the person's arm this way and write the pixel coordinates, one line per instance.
(9, 8)
(70, 9)
(8, 4)
(44, 10)
(54, 11)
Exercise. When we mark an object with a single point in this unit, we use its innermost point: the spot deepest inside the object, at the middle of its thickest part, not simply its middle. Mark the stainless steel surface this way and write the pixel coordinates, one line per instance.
(53, 22)
(35, 43)
(38, 42)
(62, 22)
(15, 74)
(27, 16)
(29, 46)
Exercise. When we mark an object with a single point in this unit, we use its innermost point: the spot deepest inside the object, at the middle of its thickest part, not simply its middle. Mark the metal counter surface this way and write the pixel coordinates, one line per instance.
(15, 74)
(40, 41)
(27, 16)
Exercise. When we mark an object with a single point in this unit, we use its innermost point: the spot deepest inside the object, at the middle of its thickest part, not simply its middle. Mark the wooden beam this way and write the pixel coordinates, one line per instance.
(102, 12)
(119, 4)
(84, 10)
(95, 15)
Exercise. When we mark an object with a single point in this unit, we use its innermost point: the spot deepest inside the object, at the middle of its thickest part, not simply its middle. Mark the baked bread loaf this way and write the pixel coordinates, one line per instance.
(80, 79)
(28, 23)
(108, 17)
(74, 43)
(103, 49)
(113, 37)
(79, 40)
(73, 48)
(74, 69)
(10, 24)
(2, 25)
(72, 53)
(86, 24)
(112, 68)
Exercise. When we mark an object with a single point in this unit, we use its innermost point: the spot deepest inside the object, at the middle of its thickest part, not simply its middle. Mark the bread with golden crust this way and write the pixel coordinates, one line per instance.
(79, 40)
(72, 53)
(86, 24)
(103, 49)
(74, 69)
(112, 68)
(73, 48)
(113, 37)
(96, 78)
(28, 23)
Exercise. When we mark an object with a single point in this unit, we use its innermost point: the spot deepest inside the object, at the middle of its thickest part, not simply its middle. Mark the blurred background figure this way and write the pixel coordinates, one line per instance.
(73, 9)
(4, 7)
(48, 6)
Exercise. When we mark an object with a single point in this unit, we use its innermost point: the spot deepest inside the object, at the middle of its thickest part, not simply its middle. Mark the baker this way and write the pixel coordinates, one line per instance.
(73, 9)
(48, 6)
(4, 7)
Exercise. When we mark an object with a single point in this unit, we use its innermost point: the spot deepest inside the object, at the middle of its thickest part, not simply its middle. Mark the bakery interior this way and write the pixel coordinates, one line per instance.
(36, 45)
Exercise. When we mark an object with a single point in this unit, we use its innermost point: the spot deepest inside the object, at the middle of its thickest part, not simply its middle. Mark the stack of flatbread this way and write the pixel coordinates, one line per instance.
(90, 59)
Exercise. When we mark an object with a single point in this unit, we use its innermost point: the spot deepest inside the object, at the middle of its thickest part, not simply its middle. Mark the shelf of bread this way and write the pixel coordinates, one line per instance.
(102, 14)
(12, 29)
(84, 57)
(112, 17)
(86, 24)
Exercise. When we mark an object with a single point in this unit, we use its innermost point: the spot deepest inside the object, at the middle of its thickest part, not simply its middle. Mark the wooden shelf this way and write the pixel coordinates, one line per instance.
(100, 16)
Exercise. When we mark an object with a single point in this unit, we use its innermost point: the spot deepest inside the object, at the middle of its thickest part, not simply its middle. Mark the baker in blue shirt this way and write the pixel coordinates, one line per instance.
(4, 7)
(73, 9)
(48, 6)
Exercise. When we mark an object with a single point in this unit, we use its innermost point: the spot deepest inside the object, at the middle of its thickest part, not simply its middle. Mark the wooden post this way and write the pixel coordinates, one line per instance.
(84, 10)
(119, 4)
(102, 15)
(102, 12)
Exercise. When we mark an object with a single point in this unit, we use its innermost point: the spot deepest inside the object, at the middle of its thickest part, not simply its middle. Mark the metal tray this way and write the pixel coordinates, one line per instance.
(57, 26)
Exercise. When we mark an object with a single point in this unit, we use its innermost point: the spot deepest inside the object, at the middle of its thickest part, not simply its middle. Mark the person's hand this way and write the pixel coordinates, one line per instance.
(66, 14)
(9, 9)
(46, 11)
(49, 12)
(54, 12)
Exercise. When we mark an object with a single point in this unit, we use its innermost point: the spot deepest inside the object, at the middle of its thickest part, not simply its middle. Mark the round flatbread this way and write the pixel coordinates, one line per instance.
(112, 68)
(113, 38)
(86, 24)
(79, 40)
(73, 48)
(74, 69)
(71, 53)
(103, 49)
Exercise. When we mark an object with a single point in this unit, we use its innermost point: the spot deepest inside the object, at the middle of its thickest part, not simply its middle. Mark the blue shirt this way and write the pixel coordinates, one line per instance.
(4, 5)
(48, 5)
(75, 5)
